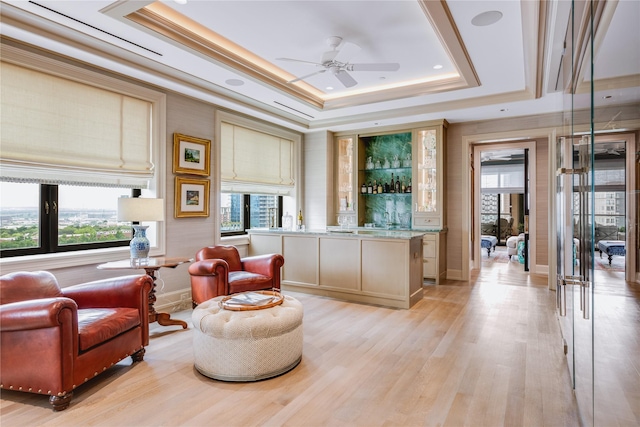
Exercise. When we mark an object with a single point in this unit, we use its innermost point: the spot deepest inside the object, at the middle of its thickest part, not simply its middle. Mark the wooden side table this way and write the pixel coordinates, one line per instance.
(150, 266)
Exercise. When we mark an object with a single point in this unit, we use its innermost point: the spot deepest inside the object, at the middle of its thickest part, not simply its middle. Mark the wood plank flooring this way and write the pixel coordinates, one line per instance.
(486, 352)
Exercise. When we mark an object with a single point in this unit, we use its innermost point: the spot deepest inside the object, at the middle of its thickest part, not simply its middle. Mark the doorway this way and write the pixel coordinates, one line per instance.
(501, 197)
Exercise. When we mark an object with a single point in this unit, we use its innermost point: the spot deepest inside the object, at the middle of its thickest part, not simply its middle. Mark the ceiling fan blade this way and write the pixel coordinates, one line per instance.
(346, 52)
(328, 56)
(308, 75)
(345, 78)
(381, 66)
(297, 60)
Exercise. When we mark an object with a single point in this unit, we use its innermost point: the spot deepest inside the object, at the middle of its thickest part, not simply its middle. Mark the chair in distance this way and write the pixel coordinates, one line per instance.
(219, 270)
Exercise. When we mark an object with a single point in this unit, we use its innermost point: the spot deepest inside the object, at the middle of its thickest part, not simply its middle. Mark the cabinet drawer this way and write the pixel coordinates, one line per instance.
(427, 221)
(429, 268)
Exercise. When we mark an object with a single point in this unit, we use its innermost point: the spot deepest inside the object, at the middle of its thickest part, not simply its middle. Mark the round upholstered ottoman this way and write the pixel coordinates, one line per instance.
(247, 345)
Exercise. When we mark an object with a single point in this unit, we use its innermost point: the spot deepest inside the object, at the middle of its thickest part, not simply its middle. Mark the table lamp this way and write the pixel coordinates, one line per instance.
(138, 209)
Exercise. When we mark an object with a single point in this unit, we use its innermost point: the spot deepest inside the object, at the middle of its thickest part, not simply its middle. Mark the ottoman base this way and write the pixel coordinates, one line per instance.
(247, 345)
(249, 378)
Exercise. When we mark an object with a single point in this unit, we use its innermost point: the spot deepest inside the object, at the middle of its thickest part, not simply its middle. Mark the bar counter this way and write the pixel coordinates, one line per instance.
(367, 265)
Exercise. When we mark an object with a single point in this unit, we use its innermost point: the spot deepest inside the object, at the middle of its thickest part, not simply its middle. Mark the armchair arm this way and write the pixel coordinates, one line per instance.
(126, 291)
(209, 277)
(209, 267)
(267, 265)
(36, 314)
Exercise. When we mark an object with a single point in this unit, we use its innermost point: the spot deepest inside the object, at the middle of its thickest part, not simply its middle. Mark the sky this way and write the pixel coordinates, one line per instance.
(19, 195)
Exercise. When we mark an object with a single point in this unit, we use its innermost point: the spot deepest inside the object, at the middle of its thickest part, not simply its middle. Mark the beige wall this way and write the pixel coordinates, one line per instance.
(458, 207)
(318, 179)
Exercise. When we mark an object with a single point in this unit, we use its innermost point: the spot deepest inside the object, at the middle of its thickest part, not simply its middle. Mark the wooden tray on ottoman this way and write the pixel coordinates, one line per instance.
(252, 300)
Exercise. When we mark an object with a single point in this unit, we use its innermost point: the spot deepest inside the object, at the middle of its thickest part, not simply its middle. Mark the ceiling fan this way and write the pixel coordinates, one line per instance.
(337, 62)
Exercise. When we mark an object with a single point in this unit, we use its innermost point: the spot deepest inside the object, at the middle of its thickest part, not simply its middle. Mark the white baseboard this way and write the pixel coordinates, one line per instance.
(173, 301)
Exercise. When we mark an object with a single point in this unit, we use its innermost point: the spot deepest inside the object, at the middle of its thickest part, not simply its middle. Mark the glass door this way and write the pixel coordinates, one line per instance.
(575, 243)
(575, 221)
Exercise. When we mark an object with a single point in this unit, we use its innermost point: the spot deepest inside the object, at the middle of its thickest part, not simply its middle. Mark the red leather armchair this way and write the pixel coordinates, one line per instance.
(219, 270)
(52, 339)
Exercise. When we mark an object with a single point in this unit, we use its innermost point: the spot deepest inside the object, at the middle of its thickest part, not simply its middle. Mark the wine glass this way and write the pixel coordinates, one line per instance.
(349, 222)
(341, 221)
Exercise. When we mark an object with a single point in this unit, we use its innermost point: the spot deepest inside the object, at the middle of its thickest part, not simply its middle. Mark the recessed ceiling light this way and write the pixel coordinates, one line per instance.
(180, 1)
(234, 82)
(437, 67)
(486, 18)
(329, 87)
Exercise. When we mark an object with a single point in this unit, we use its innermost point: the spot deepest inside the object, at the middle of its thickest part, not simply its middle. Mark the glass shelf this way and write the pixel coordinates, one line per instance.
(385, 194)
(386, 169)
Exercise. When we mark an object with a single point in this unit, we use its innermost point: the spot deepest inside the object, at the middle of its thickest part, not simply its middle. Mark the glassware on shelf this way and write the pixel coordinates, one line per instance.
(386, 163)
(378, 165)
(369, 164)
(406, 163)
(396, 161)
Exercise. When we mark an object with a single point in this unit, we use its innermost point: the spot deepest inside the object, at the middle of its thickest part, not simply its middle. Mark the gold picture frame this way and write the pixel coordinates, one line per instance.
(191, 155)
(192, 197)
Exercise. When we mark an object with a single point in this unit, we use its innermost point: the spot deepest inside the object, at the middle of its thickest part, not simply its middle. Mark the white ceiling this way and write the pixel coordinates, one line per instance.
(503, 70)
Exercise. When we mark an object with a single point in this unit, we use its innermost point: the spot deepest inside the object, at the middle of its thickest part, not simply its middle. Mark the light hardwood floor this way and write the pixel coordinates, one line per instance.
(486, 352)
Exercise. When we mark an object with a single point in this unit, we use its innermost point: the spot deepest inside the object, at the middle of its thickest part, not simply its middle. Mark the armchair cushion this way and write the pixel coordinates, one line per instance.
(96, 325)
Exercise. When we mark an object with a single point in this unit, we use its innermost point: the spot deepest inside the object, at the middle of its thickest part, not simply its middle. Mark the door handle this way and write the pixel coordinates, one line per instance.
(561, 297)
(584, 299)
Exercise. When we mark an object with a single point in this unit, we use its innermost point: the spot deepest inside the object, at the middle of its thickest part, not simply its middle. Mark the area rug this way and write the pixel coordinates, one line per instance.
(617, 262)
(500, 256)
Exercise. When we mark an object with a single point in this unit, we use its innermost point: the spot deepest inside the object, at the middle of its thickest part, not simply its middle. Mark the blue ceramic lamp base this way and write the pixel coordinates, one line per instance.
(140, 244)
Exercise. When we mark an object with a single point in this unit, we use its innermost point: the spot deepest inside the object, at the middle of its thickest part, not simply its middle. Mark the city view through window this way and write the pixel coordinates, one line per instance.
(85, 215)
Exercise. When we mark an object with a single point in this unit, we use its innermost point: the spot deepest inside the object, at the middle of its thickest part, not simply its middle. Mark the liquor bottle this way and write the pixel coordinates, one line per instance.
(380, 189)
(363, 189)
(386, 187)
(369, 188)
(300, 220)
(409, 186)
(392, 188)
(403, 187)
(397, 189)
(375, 187)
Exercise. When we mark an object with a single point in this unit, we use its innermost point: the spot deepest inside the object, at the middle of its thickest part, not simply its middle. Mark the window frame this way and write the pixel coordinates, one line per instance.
(246, 215)
(49, 227)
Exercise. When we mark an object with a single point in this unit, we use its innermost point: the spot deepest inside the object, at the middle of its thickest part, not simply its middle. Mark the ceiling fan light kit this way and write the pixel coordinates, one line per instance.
(337, 62)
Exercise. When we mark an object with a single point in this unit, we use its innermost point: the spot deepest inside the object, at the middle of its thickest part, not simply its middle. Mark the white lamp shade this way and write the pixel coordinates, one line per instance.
(140, 209)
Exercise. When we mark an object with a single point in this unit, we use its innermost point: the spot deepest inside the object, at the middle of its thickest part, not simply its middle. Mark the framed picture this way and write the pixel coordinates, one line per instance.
(192, 197)
(191, 155)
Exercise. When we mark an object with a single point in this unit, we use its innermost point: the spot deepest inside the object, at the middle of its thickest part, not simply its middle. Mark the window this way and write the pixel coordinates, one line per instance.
(239, 212)
(73, 141)
(45, 218)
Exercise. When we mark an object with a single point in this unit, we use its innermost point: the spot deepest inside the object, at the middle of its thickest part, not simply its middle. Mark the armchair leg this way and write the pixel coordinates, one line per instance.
(138, 355)
(60, 403)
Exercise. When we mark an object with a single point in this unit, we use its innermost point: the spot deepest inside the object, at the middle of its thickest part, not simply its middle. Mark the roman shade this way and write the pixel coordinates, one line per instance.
(505, 178)
(255, 162)
(60, 131)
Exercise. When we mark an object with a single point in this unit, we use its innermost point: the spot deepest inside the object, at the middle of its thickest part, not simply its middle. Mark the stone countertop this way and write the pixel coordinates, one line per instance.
(351, 232)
